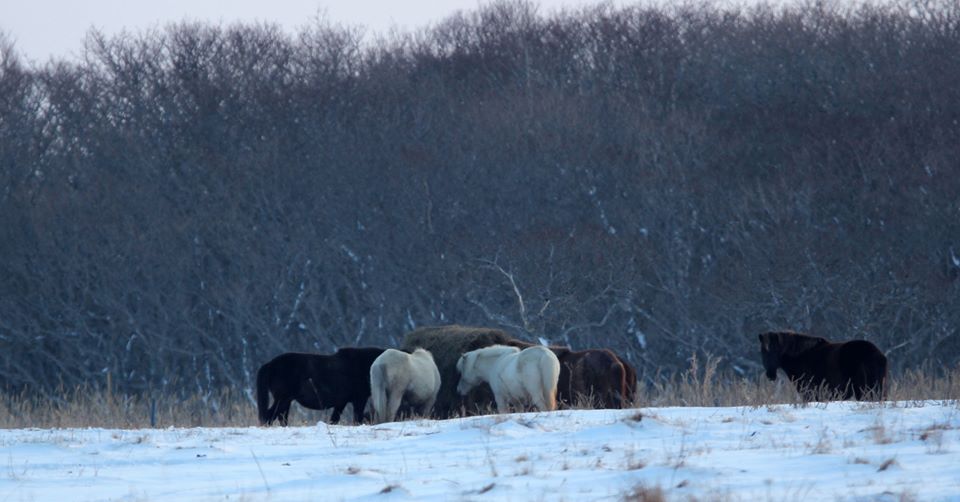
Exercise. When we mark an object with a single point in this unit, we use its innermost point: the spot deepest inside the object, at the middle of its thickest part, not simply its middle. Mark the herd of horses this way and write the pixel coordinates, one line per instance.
(447, 371)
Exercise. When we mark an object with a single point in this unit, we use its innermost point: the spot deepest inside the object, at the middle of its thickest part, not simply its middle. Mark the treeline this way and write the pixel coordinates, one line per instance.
(178, 206)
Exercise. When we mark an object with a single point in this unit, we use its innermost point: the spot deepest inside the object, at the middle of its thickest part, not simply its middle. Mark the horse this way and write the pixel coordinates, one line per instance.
(447, 344)
(591, 376)
(396, 376)
(524, 377)
(821, 369)
(316, 381)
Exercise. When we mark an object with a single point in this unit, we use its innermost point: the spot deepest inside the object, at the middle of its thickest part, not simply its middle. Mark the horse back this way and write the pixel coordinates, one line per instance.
(350, 367)
(861, 349)
(343, 373)
(290, 368)
(862, 358)
(532, 355)
(528, 361)
(357, 360)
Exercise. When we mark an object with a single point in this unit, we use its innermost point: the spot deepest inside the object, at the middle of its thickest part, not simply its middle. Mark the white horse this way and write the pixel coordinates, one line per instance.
(395, 376)
(522, 377)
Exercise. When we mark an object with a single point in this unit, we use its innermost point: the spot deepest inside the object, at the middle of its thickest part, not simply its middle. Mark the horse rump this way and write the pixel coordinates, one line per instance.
(398, 378)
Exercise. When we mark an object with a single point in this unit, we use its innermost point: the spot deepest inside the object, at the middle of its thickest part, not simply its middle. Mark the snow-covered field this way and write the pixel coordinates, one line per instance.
(847, 451)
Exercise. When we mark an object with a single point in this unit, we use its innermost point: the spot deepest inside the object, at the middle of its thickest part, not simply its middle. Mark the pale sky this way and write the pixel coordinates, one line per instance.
(41, 29)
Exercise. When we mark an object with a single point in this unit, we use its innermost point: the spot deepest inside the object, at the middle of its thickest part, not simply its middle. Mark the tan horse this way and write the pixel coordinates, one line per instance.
(522, 377)
(396, 376)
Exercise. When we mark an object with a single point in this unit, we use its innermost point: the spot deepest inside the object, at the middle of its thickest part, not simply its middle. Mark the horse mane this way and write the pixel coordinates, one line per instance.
(559, 350)
(497, 350)
(797, 343)
(792, 343)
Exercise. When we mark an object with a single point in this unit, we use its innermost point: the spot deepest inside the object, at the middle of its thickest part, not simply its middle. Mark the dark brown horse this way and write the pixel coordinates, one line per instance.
(315, 381)
(594, 376)
(821, 370)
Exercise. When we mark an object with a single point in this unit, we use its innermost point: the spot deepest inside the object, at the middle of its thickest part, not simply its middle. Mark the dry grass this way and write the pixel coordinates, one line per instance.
(888, 463)
(643, 493)
(701, 385)
(86, 407)
(924, 383)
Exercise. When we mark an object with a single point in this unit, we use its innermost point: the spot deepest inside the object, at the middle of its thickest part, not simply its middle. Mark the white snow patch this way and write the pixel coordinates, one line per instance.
(836, 451)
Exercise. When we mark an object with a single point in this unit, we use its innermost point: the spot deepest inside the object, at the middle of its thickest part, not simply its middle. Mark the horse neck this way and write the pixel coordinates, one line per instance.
(794, 365)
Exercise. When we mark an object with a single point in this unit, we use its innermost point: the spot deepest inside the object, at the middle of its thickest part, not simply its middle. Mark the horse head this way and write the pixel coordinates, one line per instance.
(777, 344)
(468, 374)
(770, 351)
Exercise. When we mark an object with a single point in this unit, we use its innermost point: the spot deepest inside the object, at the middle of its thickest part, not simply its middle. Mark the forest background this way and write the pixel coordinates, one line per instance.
(180, 205)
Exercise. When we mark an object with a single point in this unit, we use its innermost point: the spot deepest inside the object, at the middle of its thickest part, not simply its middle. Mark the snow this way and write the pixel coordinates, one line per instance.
(834, 451)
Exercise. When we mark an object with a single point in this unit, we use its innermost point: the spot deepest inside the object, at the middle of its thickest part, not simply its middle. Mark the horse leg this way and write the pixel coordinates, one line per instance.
(538, 402)
(368, 412)
(283, 411)
(337, 410)
(393, 404)
(536, 398)
(358, 409)
(271, 413)
(427, 410)
(503, 406)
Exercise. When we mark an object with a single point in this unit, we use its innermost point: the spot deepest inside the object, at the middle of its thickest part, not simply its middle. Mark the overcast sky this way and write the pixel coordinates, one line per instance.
(41, 29)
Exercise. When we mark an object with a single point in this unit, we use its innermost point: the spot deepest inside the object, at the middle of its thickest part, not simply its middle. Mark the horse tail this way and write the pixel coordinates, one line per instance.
(549, 376)
(619, 398)
(378, 390)
(873, 371)
(263, 394)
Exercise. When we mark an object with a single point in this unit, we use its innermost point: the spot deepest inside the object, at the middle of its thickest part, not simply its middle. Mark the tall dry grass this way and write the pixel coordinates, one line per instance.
(702, 384)
(100, 407)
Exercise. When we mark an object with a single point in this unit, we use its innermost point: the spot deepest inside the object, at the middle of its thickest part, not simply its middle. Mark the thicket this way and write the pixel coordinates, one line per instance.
(178, 206)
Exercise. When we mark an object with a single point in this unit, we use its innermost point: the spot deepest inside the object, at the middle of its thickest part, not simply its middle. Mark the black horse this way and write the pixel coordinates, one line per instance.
(315, 381)
(821, 370)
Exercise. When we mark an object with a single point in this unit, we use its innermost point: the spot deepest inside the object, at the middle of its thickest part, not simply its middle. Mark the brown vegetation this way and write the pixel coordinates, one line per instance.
(697, 386)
